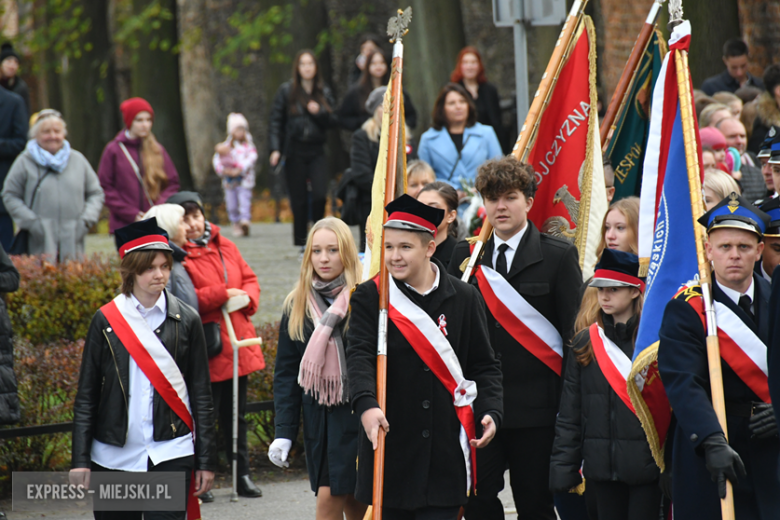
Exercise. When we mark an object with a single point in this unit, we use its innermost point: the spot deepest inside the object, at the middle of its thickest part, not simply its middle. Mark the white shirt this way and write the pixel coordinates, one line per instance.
(735, 295)
(435, 285)
(511, 250)
(140, 444)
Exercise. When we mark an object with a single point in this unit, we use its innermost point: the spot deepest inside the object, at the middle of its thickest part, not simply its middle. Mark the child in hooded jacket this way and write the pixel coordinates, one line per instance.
(234, 161)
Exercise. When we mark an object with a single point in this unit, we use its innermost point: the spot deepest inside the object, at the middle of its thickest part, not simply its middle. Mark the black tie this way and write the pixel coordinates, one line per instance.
(501, 260)
(744, 304)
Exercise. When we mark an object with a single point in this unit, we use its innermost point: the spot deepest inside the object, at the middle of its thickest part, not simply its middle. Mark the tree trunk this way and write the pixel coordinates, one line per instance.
(156, 79)
(203, 125)
(435, 38)
(88, 87)
(712, 23)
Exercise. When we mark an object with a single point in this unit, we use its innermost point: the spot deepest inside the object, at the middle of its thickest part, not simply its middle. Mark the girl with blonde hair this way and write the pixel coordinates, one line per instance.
(619, 232)
(311, 371)
(717, 186)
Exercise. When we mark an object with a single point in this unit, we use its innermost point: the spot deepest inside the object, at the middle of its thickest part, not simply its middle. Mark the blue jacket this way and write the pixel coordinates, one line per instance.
(479, 145)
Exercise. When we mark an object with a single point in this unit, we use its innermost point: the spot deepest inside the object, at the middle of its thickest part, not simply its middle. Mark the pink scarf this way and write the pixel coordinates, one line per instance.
(323, 371)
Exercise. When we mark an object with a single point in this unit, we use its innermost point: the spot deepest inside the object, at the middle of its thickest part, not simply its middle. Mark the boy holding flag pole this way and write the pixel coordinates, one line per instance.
(426, 365)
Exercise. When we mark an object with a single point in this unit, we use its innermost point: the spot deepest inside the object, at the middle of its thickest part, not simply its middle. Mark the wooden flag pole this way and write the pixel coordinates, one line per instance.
(705, 275)
(542, 96)
(396, 28)
(618, 101)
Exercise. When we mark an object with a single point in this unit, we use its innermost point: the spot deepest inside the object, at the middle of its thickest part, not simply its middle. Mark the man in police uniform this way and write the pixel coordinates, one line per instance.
(764, 156)
(702, 457)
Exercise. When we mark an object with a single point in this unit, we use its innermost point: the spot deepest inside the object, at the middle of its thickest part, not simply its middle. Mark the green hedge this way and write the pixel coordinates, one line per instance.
(50, 315)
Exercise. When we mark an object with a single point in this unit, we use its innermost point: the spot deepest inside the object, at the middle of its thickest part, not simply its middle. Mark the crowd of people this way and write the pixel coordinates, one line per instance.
(513, 370)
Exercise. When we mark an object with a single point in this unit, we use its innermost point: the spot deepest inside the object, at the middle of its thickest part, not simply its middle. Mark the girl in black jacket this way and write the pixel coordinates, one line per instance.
(301, 114)
(353, 112)
(597, 433)
(311, 373)
(443, 196)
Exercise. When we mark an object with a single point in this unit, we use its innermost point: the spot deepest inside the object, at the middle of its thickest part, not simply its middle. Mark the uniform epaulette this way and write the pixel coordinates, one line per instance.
(687, 292)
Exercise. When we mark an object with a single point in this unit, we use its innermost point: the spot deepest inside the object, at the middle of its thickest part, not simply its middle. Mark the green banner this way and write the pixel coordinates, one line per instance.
(626, 150)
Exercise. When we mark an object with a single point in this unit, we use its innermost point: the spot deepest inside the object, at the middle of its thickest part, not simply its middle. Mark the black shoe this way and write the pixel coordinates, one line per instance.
(247, 488)
(206, 497)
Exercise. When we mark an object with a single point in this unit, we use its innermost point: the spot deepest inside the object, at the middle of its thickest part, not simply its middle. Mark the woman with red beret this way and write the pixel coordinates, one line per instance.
(135, 171)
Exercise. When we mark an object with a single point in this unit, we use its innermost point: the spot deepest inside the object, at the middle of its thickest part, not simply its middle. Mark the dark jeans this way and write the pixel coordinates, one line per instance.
(302, 171)
(526, 452)
(185, 464)
(222, 393)
(425, 513)
(618, 501)
(6, 231)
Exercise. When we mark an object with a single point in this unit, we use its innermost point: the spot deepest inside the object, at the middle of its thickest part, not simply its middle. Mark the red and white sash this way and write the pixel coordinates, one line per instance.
(613, 362)
(523, 322)
(158, 366)
(428, 341)
(744, 352)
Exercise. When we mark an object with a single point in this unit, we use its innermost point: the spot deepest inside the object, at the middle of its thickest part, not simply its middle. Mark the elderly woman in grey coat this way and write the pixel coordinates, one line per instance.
(170, 217)
(52, 191)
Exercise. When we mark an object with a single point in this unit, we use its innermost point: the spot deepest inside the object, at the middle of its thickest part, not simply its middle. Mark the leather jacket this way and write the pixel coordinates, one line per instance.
(100, 408)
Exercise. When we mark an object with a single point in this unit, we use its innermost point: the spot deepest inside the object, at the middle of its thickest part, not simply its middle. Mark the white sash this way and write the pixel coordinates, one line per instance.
(159, 354)
(435, 350)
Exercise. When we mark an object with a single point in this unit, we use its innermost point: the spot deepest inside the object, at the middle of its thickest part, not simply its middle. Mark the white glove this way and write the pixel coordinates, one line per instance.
(278, 452)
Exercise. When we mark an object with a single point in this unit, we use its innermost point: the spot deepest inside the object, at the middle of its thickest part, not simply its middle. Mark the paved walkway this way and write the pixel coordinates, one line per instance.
(287, 495)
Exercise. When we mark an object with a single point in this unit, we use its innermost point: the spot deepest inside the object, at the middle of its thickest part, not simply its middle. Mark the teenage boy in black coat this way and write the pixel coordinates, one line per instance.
(426, 472)
(544, 271)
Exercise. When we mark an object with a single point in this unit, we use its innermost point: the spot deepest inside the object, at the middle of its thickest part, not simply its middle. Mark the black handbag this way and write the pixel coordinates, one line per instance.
(21, 243)
(213, 334)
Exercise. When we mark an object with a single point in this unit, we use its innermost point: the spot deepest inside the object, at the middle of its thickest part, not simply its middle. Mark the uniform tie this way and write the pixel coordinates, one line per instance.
(744, 304)
(501, 260)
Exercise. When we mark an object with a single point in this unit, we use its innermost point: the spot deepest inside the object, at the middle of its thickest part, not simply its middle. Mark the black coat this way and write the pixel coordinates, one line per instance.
(489, 109)
(546, 272)
(774, 340)
(290, 129)
(424, 464)
(444, 251)
(9, 400)
(20, 88)
(724, 82)
(595, 426)
(13, 133)
(352, 113)
(100, 409)
(682, 363)
(329, 433)
(363, 154)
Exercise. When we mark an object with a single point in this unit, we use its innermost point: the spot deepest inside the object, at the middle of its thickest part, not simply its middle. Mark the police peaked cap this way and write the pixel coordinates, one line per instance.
(772, 208)
(766, 145)
(736, 213)
(409, 214)
(145, 235)
(774, 150)
(617, 269)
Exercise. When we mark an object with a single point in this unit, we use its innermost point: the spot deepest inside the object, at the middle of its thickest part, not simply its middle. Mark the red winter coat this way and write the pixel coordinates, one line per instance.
(205, 268)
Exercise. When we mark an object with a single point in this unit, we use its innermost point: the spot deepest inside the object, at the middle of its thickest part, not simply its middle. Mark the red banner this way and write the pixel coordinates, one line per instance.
(561, 143)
